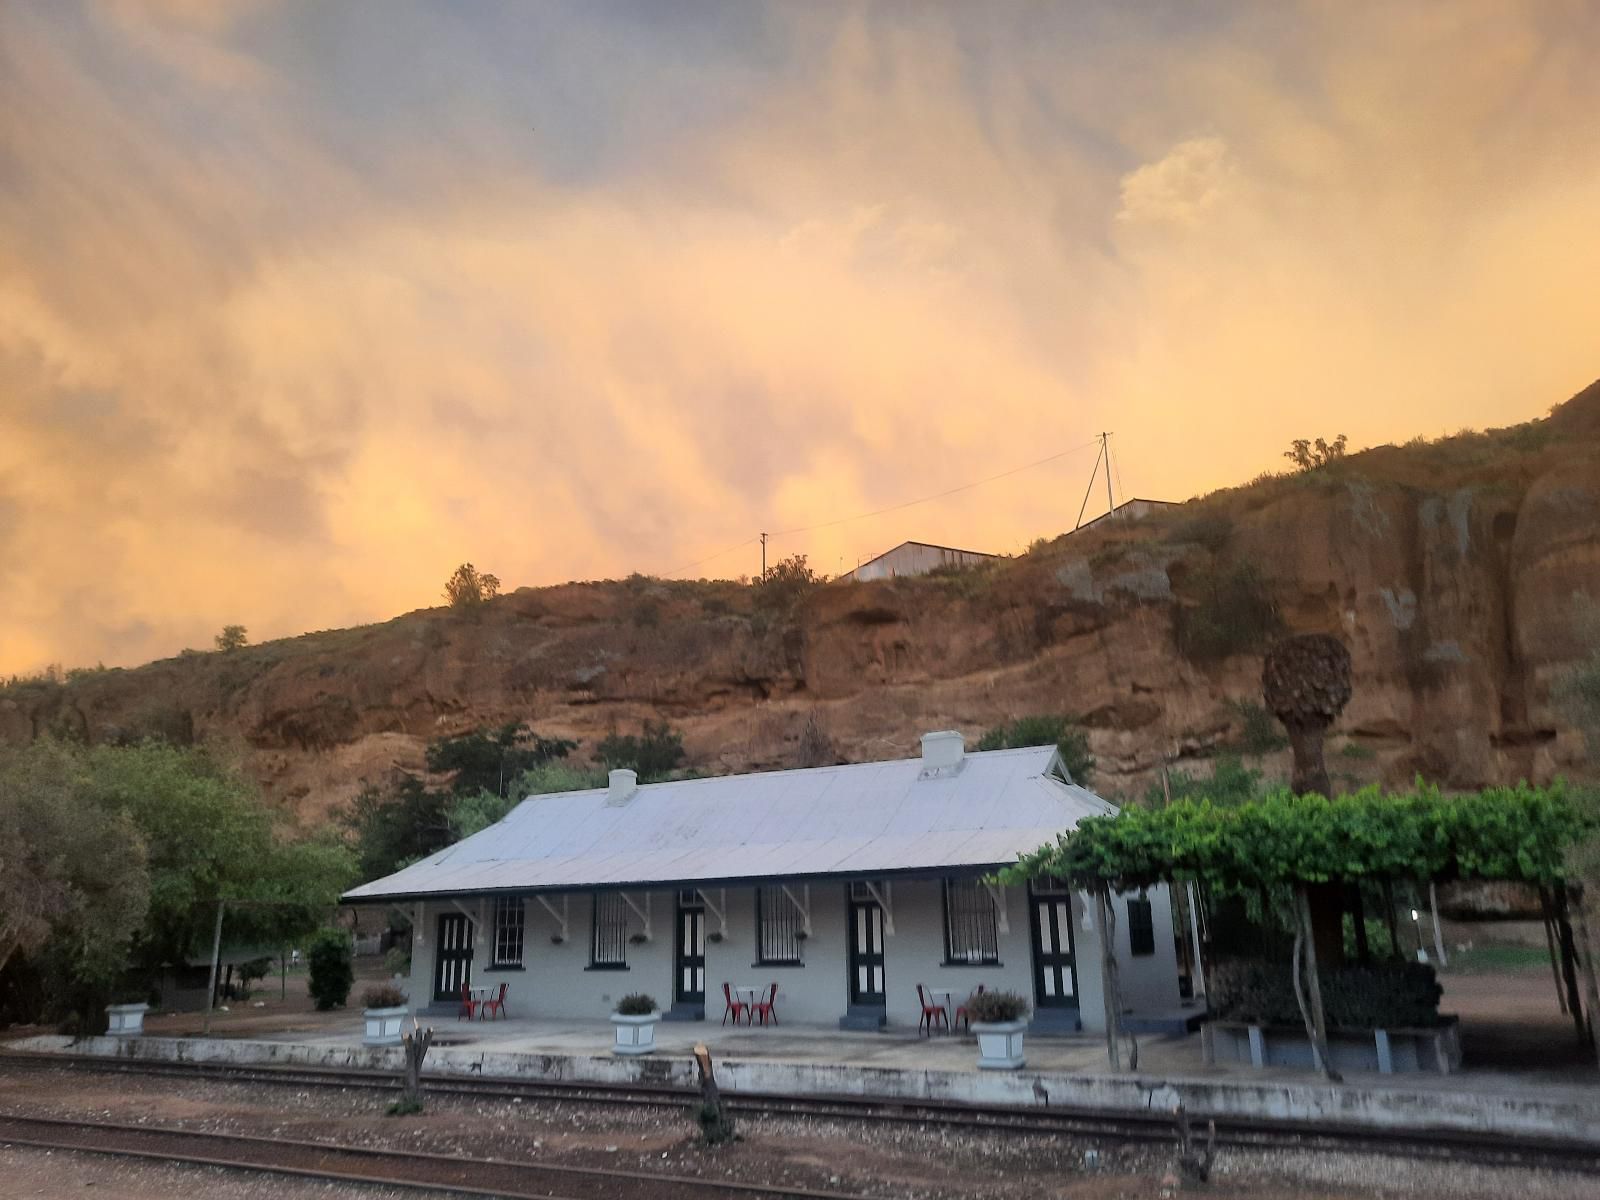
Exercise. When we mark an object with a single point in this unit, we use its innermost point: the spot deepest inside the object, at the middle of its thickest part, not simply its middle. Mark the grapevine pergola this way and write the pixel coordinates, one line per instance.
(1519, 834)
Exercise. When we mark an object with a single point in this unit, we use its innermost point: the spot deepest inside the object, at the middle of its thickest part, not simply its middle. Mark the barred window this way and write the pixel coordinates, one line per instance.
(969, 923)
(609, 946)
(1141, 927)
(508, 923)
(778, 923)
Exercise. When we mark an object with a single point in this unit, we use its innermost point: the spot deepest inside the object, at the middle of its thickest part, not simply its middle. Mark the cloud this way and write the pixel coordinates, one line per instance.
(302, 307)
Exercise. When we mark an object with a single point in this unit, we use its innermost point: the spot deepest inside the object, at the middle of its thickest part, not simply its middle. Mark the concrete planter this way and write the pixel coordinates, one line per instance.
(635, 1035)
(999, 1044)
(1386, 1051)
(384, 1026)
(126, 1020)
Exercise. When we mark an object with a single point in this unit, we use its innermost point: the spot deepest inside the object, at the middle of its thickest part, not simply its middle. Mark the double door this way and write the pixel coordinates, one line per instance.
(452, 969)
(867, 987)
(1055, 976)
(689, 951)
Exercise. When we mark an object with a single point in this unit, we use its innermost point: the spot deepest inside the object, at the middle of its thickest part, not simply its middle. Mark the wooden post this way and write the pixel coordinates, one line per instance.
(1110, 990)
(715, 1123)
(1589, 974)
(216, 955)
(1319, 1020)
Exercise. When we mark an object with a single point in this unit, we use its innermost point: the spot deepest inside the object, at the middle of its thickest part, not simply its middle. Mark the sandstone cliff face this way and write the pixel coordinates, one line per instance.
(1449, 570)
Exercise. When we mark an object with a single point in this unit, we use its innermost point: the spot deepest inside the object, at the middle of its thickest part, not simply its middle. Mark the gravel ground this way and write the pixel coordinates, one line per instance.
(899, 1161)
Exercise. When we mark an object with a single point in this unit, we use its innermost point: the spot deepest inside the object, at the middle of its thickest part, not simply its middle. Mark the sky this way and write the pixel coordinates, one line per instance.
(303, 304)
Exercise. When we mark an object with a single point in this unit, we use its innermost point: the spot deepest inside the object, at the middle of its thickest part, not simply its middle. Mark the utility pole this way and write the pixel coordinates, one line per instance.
(1105, 449)
(763, 556)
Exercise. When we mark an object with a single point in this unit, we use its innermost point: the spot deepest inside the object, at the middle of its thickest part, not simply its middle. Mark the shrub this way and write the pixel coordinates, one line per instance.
(232, 637)
(1213, 531)
(1382, 996)
(383, 995)
(1308, 455)
(1045, 730)
(1261, 733)
(636, 1004)
(994, 1007)
(654, 753)
(469, 587)
(785, 584)
(332, 975)
(1233, 613)
(397, 961)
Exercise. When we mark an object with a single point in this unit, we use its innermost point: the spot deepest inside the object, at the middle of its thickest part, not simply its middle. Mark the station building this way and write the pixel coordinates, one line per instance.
(847, 886)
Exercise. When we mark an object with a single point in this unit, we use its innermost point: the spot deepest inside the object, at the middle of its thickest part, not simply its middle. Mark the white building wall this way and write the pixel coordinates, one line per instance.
(557, 980)
(915, 558)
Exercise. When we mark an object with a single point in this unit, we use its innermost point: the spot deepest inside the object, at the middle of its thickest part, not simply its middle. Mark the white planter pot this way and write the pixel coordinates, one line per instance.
(384, 1025)
(999, 1044)
(127, 1020)
(635, 1035)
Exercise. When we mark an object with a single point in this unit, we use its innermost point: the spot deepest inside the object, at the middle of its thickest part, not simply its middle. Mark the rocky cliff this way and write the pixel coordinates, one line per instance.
(1449, 568)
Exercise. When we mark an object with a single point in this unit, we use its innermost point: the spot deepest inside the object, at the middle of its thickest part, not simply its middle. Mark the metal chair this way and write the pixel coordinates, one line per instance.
(734, 1007)
(496, 1003)
(961, 1012)
(930, 1014)
(768, 1007)
(469, 1006)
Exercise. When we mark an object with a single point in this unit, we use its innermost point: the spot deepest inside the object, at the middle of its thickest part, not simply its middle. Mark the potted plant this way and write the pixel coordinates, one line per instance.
(385, 1007)
(634, 1023)
(126, 1020)
(997, 1022)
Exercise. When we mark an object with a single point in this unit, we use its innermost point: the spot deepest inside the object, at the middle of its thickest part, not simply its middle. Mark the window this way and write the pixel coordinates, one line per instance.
(969, 923)
(609, 944)
(778, 926)
(509, 917)
(1141, 927)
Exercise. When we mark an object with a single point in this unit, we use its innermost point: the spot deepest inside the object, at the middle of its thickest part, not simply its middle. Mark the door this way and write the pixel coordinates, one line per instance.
(689, 974)
(866, 948)
(452, 968)
(1055, 977)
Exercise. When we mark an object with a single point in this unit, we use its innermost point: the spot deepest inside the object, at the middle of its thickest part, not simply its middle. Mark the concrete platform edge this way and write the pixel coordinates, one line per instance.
(1574, 1119)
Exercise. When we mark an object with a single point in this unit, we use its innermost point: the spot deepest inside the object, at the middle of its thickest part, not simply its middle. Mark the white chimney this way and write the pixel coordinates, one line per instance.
(945, 748)
(621, 785)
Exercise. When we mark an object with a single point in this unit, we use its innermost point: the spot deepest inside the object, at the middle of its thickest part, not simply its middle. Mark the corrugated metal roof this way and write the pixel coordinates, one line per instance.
(861, 819)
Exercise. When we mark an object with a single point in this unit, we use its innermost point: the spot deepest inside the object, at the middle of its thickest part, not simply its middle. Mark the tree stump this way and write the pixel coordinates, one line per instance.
(416, 1045)
(716, 1126)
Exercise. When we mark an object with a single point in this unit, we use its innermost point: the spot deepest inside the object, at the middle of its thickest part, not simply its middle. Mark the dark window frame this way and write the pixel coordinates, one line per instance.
(619, 963)
(763, 958)
(1141, 933)
(517, 905)
(983, 958)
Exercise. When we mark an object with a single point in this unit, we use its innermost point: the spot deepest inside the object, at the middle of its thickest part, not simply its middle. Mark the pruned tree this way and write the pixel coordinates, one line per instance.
(1305, 682)
(469, 587)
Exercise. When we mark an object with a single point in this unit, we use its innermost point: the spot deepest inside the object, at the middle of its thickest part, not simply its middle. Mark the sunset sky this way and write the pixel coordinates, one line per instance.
(303, 304)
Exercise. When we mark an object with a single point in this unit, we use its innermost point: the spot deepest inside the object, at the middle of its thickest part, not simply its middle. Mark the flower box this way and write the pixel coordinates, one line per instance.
(126, 1020)
(999, 1044)
(634, 1034)
(384, 1025)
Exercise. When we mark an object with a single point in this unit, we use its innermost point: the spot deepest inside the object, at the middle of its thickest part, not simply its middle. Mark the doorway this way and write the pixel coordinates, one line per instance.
(689, 969)
(452, 968)
(1055, 974)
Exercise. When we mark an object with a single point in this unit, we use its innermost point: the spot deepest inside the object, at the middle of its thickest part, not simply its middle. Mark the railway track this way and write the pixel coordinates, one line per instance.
(1093, 1124)
(452, 1174)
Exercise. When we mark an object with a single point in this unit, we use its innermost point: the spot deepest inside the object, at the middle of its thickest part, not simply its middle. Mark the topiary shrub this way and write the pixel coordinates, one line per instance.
(383, 995)
(993, 1008)
(1382, 996)
(332, 975)
(637, 1004)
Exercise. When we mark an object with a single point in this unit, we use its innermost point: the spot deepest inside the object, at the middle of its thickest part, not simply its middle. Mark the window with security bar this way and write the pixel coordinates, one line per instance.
(609, 945)
(509, 921)
(779, 925)
(970, 924)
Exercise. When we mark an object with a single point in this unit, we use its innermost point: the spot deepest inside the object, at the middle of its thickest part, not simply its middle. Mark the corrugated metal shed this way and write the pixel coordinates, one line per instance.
(862, 819)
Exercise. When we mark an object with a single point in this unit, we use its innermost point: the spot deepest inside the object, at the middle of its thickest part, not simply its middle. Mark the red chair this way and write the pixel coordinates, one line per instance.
(734, 1007)
(768, 1007)
(469, 1006)
(496, 1004)
(930, 1014)
(963, 1015)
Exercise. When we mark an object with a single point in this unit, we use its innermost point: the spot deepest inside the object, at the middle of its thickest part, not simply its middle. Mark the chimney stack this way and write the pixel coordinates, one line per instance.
(943, 749)
(621, 784)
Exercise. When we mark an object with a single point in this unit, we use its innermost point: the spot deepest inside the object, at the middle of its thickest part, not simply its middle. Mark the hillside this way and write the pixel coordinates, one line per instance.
(1449, 567)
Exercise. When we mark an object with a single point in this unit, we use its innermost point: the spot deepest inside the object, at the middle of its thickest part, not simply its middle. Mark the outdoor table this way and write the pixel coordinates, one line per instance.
(749, 993)
(945, 998)
(481, 992)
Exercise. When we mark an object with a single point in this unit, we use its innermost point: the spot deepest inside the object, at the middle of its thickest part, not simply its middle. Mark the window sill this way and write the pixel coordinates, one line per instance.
(607, 967)
(503, 967)
(779, 964)
(961, 962)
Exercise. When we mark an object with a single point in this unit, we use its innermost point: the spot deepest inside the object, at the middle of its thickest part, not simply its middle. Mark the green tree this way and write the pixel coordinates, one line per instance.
(329, 958)
(1045, 730)
(653, 753)
(786, 583)
(469, 587)
(1230, 783)
(488, 760)
(1309, 455)
(468, 815)
(397, 824)
(232, 637)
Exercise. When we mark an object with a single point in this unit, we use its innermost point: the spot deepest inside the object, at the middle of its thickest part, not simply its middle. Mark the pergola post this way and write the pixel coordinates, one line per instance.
(216, 954)
(1319, 1020)
(1110, 987)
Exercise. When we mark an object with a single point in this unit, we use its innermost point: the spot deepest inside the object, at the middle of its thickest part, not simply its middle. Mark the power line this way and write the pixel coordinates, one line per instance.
(877, 512)
(697, 562)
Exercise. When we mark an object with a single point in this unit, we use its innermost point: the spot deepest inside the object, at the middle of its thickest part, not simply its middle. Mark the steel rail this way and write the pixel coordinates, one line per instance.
(1110, 1124)
(594, 1182)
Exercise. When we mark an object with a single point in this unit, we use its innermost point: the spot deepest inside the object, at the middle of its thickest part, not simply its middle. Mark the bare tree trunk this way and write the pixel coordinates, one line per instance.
(1110, 985)
(1316, 1019)
(1548, 911)
(1589, 973)
(1358, 916)
(1389, 919)
(715, 1123)
(416, 1047)
(216, 953)
(1569, 962)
